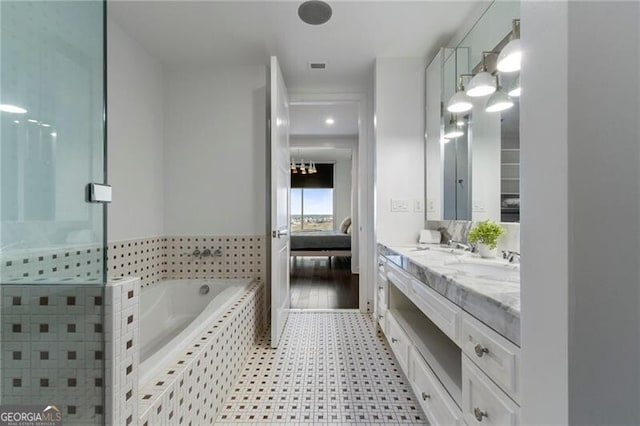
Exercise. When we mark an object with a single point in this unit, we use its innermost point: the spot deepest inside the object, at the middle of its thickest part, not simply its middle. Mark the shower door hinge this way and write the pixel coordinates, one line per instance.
(98, 193)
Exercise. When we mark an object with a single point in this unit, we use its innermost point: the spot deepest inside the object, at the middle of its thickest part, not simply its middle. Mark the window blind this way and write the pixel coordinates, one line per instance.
(322, 179)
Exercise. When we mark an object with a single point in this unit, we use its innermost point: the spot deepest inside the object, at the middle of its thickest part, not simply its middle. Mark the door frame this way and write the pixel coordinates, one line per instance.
(365, 219)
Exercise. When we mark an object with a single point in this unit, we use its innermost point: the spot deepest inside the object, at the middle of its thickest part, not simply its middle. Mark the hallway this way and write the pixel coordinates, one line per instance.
(330, 368)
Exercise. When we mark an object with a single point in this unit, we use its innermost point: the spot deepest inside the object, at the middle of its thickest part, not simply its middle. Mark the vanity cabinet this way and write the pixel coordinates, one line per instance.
(461, 371)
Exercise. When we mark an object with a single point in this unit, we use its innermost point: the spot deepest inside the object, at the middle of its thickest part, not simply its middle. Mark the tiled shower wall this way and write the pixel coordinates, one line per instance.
(53, 349)
(154, 259)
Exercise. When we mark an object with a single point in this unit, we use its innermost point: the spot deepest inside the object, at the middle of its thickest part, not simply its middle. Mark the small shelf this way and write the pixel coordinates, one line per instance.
(440, 353)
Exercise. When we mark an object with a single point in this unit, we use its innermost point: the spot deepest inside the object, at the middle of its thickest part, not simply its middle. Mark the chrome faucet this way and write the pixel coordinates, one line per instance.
(461, 245)
(511, 256)
(205, 253)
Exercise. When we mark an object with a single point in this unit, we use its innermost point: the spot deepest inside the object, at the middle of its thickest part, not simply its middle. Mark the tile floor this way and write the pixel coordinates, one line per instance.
(330, 368)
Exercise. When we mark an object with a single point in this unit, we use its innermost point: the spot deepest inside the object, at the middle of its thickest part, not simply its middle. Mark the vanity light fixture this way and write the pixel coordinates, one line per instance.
(510, 57)
(483, 83)
(499, 101)
(312, 168)
(515, 89)
(452, 131)
(460, 101)
(303, 169)
(13, 109)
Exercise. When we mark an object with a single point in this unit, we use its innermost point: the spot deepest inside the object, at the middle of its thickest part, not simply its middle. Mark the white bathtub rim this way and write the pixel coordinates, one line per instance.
(163, 361)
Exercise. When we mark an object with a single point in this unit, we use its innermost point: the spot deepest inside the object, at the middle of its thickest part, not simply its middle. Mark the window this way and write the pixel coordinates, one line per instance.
(311, 209)
(312, 200)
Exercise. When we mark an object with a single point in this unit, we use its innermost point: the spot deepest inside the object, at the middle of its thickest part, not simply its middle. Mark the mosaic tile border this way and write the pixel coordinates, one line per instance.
(192, 390)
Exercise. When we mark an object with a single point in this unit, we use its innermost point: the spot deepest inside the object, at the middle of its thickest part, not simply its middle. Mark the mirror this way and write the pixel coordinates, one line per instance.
(478, 157)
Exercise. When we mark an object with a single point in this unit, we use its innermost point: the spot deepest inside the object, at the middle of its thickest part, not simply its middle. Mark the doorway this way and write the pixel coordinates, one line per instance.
(324, 188)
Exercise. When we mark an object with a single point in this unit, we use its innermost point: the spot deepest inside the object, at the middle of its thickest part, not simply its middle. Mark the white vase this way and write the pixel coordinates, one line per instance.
(486, 252)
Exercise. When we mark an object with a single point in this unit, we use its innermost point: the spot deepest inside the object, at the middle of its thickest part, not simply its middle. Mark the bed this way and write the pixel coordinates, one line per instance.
(320, 243)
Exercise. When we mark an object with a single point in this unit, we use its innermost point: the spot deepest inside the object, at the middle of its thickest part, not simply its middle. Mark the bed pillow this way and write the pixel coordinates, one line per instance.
(345, 224)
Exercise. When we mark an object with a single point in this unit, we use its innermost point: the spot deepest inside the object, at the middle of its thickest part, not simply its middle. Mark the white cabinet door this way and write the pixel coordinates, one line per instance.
(434, 399)
(494, 354)
(483, 403)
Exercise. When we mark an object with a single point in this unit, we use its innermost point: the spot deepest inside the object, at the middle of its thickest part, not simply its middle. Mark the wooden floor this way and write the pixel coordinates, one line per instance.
(315, 285)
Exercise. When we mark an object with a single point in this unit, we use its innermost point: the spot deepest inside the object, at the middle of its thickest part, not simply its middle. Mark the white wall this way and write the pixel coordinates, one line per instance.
(399, 136)
(135, 138)
(215, 148)
(581, 213)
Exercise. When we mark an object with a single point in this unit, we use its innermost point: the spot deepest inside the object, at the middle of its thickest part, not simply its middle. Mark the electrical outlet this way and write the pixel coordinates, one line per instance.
(431, 206)
(418, 206)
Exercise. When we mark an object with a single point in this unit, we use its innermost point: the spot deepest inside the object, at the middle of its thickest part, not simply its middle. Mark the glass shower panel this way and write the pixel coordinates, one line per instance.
(52, 141)
(52, 240)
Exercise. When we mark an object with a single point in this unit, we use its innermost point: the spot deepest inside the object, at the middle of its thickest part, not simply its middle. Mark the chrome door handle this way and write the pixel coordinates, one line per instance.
(280, 233)
(479, 414)
(393, 340)
(380, 316)
(480, 350)
(425, 396)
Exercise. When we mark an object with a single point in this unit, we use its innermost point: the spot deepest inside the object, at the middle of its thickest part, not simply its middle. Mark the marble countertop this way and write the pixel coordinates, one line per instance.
(495, 302)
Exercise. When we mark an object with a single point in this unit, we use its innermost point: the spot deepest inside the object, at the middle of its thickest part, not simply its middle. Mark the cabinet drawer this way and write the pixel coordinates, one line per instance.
(398, 340)
(442, 312)
(399, 278)
(381, 287)
(382, 315)
(434, 399)
(483, 403)
(382, 266)
(495, 355)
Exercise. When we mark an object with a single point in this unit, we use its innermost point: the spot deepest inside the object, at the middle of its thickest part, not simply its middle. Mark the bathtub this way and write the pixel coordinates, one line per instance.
(174, 312)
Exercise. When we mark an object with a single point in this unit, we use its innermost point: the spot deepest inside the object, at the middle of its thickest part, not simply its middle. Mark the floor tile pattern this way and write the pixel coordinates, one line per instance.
(330, 368)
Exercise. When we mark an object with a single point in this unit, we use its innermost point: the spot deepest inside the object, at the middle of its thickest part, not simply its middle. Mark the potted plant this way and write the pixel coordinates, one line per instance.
(486, 234)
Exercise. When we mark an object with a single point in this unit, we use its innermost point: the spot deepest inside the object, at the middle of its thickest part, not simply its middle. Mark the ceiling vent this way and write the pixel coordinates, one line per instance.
(314, 12)
(317, 66)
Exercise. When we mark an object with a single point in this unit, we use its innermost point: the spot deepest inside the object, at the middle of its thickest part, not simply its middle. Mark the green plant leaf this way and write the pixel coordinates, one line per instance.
(486, 232)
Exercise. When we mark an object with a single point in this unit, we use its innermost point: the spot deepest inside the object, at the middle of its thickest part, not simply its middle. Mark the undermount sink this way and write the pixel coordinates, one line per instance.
(431, 249)
(492, 271)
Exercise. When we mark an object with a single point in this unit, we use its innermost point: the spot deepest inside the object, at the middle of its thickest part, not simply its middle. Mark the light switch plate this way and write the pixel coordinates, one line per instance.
(399, 205)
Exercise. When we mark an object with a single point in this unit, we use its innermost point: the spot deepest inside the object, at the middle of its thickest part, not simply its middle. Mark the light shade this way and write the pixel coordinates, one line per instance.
(482, 84)
(459, 102)
(510, 57)
(499, 101)
(515, 90)
(14, 109)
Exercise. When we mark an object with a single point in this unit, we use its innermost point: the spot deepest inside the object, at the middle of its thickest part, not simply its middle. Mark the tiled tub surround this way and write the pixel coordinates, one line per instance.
(495, 303)
(122, 336)
(53, 349)
(154, 259)
(192, 389)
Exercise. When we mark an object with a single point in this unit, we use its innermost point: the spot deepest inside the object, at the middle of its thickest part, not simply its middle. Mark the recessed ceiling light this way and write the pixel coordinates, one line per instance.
(315, 12)
(329, 121)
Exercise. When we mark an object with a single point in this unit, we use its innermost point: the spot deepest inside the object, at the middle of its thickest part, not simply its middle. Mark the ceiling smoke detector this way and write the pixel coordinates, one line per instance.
(315, 12)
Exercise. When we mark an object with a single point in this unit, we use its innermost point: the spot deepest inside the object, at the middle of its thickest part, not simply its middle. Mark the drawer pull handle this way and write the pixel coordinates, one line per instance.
(380, 264)
(480, 350)
(393, 340)
(380, 288)
(479, 414)
(425, 396)
(380, 316)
